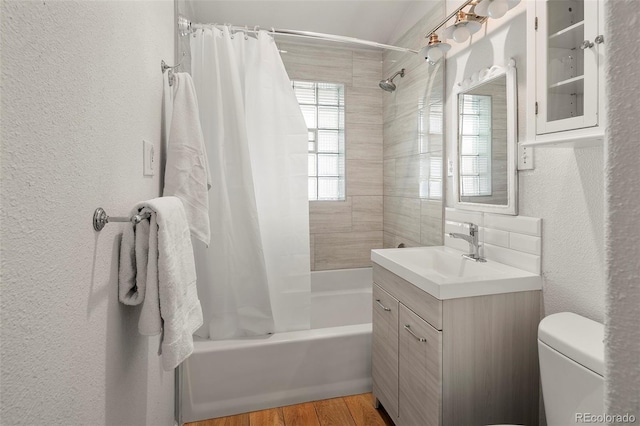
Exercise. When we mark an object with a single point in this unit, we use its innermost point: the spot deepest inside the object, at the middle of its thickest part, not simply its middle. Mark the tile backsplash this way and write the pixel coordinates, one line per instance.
(512, 240)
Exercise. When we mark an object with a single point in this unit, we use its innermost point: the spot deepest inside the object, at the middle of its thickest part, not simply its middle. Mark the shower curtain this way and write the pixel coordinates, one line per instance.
(254, 278)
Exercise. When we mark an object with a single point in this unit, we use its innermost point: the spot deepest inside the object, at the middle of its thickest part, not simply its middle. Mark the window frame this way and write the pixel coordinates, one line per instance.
(314, 143)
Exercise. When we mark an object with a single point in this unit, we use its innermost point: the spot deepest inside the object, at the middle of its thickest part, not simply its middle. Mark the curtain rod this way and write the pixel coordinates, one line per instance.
(186, 27)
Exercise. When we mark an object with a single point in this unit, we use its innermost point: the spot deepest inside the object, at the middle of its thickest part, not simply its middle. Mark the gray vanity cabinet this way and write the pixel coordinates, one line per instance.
(466, 361)
(420, 371)
(385, 350)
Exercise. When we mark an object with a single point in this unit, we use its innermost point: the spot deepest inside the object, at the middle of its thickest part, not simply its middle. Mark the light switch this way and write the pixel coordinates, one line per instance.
(450, 168)
(148, 158)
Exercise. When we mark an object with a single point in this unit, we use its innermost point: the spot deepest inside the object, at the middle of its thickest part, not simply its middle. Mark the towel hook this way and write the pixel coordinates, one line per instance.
(164, 67)
(100, 218)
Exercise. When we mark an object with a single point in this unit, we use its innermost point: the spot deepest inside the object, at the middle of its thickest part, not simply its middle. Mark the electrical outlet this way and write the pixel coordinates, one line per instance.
(449, 168)
(148, 158)
(525, 157)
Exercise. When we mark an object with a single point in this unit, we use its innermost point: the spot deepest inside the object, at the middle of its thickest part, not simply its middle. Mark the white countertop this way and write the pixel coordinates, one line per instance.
(443, 272)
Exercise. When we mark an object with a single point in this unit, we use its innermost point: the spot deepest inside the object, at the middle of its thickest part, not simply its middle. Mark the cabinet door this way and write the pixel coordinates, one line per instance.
(566, 69)
(420, 371)
(384, 356)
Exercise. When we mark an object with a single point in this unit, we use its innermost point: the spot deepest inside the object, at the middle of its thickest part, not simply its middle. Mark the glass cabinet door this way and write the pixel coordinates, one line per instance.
(567, 65)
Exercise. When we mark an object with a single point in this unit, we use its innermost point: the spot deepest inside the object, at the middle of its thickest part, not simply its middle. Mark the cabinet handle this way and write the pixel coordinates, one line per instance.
(408, 328)
(586, 45)
(599, 39)
(382, 306)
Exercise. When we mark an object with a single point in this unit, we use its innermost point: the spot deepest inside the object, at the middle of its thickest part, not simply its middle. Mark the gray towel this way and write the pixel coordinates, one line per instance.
(160, 272)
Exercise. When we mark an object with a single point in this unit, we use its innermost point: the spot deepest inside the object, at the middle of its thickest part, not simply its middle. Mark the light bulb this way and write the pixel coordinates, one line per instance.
(497, 8)
(434, 54)
(461, 34)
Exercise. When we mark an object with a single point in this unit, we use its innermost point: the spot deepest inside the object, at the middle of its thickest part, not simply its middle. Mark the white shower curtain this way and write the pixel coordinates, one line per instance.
(254, 278)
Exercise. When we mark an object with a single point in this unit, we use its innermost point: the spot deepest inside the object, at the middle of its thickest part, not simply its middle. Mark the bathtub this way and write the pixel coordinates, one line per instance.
(331, 359)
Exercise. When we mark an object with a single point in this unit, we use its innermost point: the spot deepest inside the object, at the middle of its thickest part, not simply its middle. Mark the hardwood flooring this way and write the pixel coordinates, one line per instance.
(354, 410)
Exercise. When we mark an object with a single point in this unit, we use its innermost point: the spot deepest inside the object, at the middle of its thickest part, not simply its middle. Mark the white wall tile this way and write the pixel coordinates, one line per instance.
(463, 216)
(527, 262)
(525, 243)
(450, 226)
(519, 224)
(456, 243)
(495, 237)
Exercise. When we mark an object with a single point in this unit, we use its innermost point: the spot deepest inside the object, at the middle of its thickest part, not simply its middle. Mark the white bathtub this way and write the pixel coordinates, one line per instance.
(332, 359)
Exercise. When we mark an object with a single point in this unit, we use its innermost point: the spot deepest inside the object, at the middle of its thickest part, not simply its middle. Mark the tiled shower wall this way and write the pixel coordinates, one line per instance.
(413, 143)
(344, 232)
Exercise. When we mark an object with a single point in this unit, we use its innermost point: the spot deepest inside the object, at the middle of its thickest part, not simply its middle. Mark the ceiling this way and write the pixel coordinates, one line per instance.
(383, 21)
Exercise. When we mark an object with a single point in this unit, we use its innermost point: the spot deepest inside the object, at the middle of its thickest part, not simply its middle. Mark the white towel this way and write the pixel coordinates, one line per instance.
(165, 277)
(132, 273)
(187, 174)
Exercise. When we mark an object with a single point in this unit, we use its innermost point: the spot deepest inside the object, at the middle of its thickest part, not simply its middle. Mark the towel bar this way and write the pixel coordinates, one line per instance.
(100, 218)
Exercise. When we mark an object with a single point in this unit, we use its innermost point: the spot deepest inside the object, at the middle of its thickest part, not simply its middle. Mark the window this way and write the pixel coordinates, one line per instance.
(475, 145)
(430, 122)
(322, 105)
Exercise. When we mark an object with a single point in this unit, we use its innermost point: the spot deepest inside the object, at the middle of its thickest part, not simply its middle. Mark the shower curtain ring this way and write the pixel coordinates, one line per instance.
(228, 28)
(246, 32)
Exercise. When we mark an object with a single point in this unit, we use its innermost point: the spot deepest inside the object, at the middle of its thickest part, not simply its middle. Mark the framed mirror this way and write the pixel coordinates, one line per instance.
(485, 175)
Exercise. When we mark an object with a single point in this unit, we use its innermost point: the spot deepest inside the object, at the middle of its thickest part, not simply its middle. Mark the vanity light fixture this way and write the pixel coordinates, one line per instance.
(435, 50)
(495, 8)
(466, 25)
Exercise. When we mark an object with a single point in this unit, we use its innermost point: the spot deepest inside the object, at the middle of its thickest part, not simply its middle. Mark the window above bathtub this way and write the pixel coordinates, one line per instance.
(322, 105)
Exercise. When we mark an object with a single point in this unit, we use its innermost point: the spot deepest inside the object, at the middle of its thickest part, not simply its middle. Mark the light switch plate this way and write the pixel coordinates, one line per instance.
(449, 168)
(148, 158)
(525, 157)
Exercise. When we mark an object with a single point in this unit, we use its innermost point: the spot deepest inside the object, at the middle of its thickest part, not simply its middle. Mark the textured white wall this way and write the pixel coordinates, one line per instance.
(566, 188)
(622, 328)
(81, 88)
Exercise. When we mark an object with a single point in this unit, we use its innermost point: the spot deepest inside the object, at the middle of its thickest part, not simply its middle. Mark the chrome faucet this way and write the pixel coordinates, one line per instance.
(472, 239)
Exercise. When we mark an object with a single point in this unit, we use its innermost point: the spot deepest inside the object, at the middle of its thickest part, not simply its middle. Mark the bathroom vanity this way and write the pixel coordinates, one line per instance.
(454, 341)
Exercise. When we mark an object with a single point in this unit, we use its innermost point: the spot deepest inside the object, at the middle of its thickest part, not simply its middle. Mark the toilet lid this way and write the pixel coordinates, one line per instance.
(575, 337)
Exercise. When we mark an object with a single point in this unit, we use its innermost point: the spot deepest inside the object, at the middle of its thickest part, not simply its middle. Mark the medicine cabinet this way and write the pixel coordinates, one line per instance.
(567, 100)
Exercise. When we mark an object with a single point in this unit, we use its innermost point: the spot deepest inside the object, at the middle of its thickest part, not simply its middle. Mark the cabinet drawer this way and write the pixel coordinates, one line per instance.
(384, 356)
(419, 301)
(420, 371)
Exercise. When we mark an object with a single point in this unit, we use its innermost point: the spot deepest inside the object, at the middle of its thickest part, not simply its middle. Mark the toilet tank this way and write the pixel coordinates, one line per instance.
(571, 351)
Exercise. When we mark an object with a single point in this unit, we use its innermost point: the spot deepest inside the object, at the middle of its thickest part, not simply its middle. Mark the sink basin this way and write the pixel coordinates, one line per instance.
(443, 272)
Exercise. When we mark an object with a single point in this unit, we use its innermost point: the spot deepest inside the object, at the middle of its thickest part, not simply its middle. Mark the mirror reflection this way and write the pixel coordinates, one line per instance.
(482, 143)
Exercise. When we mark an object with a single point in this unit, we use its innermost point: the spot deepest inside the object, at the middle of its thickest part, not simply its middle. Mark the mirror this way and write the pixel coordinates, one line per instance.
(485, 177)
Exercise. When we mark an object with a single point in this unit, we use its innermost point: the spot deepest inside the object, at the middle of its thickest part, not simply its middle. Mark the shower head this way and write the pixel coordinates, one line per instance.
(388, 85)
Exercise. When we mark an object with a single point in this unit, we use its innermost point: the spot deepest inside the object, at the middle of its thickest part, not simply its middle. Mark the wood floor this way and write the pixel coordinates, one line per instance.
(354, 410)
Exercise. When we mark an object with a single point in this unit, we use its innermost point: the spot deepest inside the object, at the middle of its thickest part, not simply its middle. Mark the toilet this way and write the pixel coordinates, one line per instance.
(571, 351)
